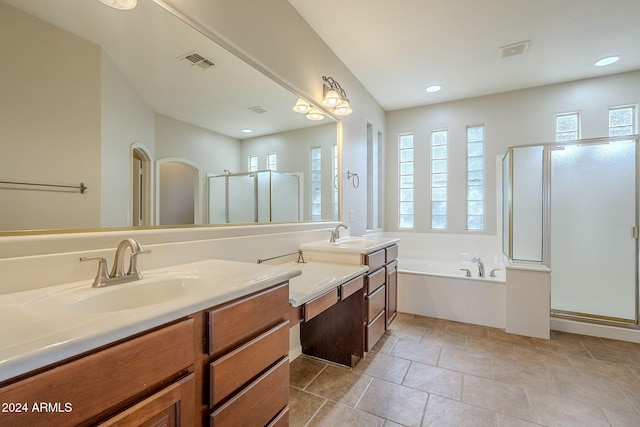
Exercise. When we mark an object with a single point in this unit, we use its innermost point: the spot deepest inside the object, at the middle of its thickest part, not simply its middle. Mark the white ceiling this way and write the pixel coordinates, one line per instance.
(398, 48)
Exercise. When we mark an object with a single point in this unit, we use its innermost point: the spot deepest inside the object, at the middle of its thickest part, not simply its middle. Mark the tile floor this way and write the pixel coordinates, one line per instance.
(434, 372)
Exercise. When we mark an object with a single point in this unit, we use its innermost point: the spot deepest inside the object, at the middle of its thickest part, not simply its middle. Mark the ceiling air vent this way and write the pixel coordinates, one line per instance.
(194, 59)
(515, 49)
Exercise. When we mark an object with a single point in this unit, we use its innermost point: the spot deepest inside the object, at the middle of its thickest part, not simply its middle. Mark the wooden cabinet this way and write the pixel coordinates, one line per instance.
(382, 292)
(247, 363)
(151, 371)
(226, 366)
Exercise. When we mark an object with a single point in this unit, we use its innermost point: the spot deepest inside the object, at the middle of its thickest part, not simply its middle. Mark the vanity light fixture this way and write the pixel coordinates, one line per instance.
(335, 97)
(120, 4)
(302, 106)
(315, 115)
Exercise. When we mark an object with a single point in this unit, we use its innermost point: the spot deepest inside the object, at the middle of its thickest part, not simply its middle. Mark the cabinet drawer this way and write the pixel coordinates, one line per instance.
(171, 406)
(282, 420)
(241, 320)
(375, 329)
(391, 253)
(259, 403)
(375, 259)
(375, 280)
(320, 304)
(92, 385)
(376, 303)
(351, 287)
(234, 370)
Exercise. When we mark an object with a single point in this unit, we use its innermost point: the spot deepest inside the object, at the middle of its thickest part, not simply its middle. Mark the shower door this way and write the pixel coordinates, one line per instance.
(593, 250)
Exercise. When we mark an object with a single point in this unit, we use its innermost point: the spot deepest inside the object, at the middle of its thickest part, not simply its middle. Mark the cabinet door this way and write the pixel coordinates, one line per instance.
(171, 406)
(392, 292)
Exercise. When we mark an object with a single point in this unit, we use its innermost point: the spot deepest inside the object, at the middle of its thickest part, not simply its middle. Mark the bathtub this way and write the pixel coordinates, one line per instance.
(439, 288)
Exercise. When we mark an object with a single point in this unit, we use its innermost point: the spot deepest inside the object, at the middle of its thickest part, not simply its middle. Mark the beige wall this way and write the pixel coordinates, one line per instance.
(513, 118)
(49, 120)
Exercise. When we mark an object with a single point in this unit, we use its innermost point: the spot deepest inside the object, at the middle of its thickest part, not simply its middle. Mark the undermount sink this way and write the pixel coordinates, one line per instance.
(146, 292)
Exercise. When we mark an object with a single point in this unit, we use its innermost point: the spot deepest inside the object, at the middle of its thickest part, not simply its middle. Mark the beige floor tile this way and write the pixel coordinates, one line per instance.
(383, 366)
(468, 329)
(448, 373)
(499, 397)
(621, 419)
(526, 375)
(445, 339)
(339, 385)
(334, 414)
(468, 363)
(406, 330)
(302, 406)
(491, 347)
(588, 388)
(395, 402)
(565, 346)
(416, 351)
(432, 323)
(385, 344)
(443, 412)
(556, 411)
(545, 359)
(432, 379)
(304, 369)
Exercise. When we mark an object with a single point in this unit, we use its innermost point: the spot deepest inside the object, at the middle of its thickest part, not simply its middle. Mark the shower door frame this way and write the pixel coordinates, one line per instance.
(546, 224)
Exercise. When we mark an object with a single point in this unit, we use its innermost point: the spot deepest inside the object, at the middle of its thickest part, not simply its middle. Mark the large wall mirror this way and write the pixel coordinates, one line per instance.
(160, 124)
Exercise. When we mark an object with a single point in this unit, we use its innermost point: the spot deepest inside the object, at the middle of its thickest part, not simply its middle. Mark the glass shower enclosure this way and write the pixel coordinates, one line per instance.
(574, 207)
(261, 196)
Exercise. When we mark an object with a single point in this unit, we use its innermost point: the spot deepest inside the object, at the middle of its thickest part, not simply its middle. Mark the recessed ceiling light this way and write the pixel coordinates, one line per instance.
(607, 61)
(434, 88)
(247, 130)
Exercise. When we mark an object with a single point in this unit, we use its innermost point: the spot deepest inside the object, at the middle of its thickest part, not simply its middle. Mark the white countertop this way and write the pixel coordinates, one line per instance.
(353, 244)
(37, 328)
(319, 277)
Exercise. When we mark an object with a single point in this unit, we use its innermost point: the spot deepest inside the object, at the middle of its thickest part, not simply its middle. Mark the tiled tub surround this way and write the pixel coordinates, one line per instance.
(434, 372)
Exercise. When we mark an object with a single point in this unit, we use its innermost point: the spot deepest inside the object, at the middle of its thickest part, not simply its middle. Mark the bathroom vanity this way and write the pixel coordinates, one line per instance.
(223, 364)
(355, 315)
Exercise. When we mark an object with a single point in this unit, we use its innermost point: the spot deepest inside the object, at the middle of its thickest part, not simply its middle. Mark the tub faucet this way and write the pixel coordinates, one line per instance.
(335, 234)
(118, 275)
(480, 265)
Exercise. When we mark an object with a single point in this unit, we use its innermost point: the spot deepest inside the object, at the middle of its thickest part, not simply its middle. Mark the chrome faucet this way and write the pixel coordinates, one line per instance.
(480, 265)
(118, 275)
(335, 234)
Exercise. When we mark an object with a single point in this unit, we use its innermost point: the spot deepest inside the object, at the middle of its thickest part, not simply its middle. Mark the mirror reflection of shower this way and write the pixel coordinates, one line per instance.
(261, 196)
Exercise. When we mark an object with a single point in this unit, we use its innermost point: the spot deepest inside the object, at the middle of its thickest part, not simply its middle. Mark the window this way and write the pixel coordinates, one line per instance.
(475, 178)
(567, 127)
(439, 179)
(335, 182)
(405, 175)
(621, 121)
(253, 163)
(272, 161)
(316, 183)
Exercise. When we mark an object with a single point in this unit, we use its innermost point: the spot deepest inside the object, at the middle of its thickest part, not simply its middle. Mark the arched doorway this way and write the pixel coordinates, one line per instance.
(140, 186)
